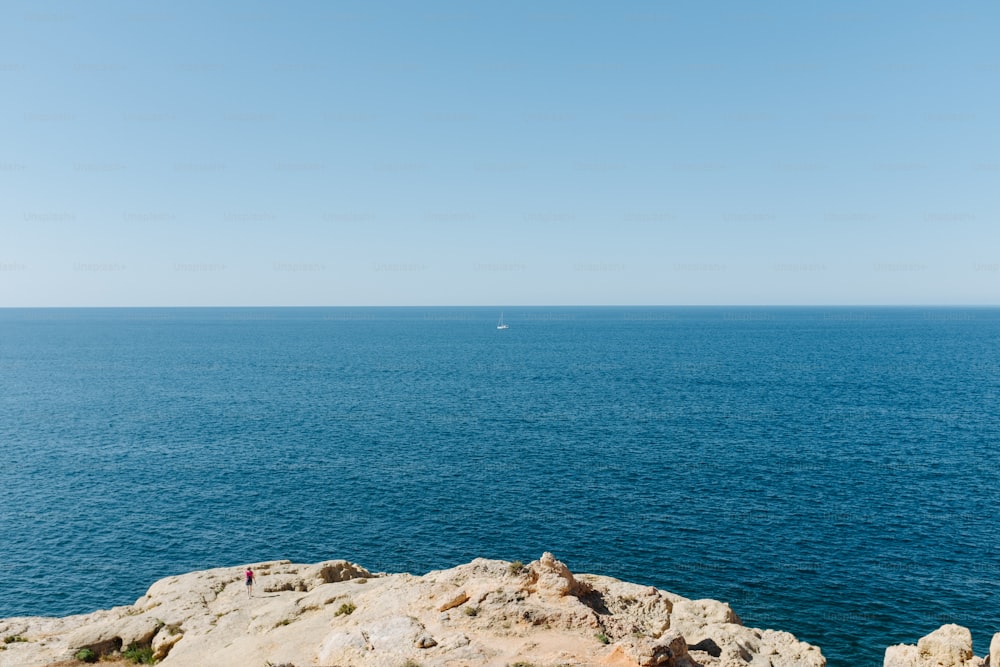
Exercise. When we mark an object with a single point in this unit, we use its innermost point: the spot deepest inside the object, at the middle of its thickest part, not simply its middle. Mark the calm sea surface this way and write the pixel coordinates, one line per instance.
(830, 472)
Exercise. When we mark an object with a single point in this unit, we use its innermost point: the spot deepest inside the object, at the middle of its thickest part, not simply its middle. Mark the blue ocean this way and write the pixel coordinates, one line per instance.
(828, 471)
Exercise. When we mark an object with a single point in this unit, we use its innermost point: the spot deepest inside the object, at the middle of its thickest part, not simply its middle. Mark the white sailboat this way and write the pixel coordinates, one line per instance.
(501, 324)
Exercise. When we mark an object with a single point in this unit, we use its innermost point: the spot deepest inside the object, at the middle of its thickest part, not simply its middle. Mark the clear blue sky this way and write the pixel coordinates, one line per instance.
(453, 153)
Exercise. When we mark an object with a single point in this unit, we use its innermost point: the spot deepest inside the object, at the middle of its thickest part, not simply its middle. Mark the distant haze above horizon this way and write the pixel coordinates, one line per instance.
(447, 153)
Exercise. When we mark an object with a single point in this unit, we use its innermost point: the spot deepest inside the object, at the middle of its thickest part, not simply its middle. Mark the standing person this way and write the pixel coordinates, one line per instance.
(248, 575)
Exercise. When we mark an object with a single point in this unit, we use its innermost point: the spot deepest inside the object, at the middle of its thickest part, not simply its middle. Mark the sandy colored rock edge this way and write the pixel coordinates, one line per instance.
(487, 613)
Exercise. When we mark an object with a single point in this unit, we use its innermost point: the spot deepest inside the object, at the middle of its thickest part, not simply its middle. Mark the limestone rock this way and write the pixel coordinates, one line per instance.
(472, 614)
(101, 638)
(948, 645)
(164, 640)
(109, 636)
(458, 599)
(335, 571)
(717, 638)
(995, 651)
(901, 655)
(701, 620)
(624, 609)
(782, 649)
(549, 576)
(698, 613)
(669, 650)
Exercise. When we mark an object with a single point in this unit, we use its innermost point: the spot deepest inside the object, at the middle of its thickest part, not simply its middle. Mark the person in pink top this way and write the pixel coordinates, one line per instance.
(248, 575)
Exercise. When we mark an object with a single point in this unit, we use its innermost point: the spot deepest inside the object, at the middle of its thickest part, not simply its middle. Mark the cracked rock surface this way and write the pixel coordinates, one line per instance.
(481, 614)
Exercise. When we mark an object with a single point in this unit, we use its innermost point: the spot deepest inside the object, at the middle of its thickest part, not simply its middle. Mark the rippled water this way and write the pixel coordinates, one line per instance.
(831, 472)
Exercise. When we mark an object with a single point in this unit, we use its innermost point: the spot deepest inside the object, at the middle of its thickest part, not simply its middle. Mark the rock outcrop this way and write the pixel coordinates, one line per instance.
(484, 613)
(948, 646)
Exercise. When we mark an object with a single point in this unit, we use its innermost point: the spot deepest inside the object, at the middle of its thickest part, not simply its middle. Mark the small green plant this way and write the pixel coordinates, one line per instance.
(86, 655)
(603, 638)
(11, 639)
(471, 611)
(410, 662)
(174, 629)
(282, 622)
(345, 609)
(140, 655)
(516, 568)
(521, 663)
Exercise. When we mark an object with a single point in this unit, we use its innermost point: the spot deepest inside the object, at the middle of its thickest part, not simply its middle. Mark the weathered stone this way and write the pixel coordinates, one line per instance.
(670, 650)
(392, 632)
(101, 638)
(110, 636)
(547, 616)
(549, 576)
(455, 641)
(703, 612)
(456, 600)
(700, 620)
(949, 646)
(783, 650)
(901, 655)
(164, 640)
(334, 571)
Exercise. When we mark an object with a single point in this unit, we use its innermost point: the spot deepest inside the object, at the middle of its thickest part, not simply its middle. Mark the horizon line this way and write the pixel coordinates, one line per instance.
(637, 305)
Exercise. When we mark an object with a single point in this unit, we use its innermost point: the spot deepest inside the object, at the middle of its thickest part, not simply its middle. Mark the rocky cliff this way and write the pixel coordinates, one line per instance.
(948, 646)
(336, 613)
(485, 613)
